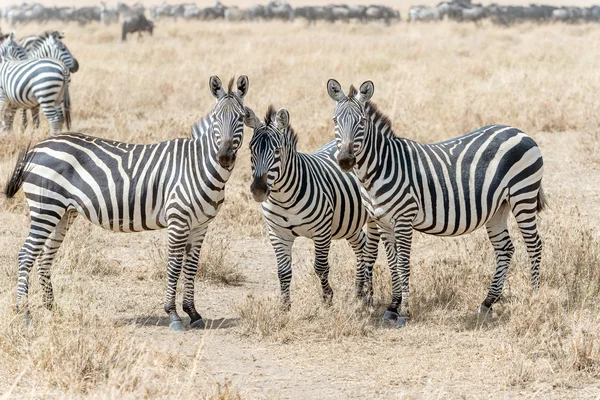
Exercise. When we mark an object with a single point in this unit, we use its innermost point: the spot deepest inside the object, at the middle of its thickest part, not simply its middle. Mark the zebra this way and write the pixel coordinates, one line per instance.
(48, 45)
(308, 195)
(35, 83)
(424, 13)
(176, 184)
(10, 49)
(448, 189)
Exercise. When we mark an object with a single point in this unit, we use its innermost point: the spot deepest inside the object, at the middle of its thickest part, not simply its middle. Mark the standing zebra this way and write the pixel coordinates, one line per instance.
(177, 184)
(48, 45)
(35, 83)
(424, 13)
(448, 188)
(10, 49)
(307, 195)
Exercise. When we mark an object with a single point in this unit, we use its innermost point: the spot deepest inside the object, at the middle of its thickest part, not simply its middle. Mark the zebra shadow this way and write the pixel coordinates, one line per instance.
(154, 320)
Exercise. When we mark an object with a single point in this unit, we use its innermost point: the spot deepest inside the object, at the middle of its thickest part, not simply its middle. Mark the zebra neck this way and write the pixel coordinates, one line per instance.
(206, 147)
(289, 185)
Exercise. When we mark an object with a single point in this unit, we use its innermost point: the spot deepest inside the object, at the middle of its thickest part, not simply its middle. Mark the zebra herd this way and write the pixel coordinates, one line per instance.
(35, 73)
(466, 11)
(365, 185)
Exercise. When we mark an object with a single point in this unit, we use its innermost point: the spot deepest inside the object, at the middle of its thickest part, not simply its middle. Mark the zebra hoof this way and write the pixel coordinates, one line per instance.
(390, 317)
(402, 322)
(27, 319)
(197, 324)
(176, 326)
(484, 311)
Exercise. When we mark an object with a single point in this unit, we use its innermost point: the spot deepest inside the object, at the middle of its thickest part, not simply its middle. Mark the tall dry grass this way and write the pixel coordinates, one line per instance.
(108, 338)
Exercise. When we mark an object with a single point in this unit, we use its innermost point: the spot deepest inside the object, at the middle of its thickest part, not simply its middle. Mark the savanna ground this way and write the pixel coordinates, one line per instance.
(109, 338)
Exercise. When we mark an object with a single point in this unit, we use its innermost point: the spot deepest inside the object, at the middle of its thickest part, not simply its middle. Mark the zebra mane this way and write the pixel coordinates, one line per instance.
(230, 86)
(385, 124)
(289, 134)
(353, 92)
(270, 115)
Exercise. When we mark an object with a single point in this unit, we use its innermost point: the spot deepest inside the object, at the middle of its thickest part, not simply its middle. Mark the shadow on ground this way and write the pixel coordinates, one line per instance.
(153, 320)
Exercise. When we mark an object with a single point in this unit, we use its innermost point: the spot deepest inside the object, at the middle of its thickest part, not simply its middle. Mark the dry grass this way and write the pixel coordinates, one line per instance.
(108, 337)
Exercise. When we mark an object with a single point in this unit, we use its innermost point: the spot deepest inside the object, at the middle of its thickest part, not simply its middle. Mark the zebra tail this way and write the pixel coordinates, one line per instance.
(67, 107)
(19, 173)
(542, 203)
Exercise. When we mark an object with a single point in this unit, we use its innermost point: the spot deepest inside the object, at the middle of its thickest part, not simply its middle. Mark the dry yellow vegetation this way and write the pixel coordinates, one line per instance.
(108, 337)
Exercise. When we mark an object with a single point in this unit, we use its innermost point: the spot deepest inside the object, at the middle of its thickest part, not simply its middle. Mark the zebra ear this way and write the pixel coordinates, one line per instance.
(250, 119)
(282, 119)
(335, 90)
(242, 86)
(216, 87)
(366, 91)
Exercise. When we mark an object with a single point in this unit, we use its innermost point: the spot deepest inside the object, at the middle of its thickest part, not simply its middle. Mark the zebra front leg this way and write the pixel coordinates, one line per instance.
(23, 115)
(190, 268)
(8, 115)
(497, 231)
(389, 242)
(322, 245)
(370, 256)
(283, 254)
(178, 237)
(35, 117)
(39, 232)
(403, 234)
(50, 249)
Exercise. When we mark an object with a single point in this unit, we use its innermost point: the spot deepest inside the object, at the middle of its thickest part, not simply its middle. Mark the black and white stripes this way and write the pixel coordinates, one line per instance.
(307, 195)
(448, 188)
(177, 184)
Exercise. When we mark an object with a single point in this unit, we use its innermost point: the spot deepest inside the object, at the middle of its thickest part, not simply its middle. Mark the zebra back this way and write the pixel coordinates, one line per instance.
(49, 45)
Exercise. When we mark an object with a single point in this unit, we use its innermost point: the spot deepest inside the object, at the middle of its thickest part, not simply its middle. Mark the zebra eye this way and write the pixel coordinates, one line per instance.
(276, 152)
(362, 121)
(334, 119)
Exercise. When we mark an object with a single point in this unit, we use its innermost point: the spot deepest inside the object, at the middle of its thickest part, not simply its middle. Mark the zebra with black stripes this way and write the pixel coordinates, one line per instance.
(447, 189)
(308, 195)
(10, 49)
(48, 45)
(178, 184)
(424, 13)
(35, 83)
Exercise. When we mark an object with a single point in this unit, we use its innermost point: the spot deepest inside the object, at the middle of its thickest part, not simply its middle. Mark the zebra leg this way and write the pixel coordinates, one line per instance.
(497, 231)
(194, 244)
(403, 233)
(23, 115)
(178, 238)
(370, 256)
(389, 242)
(322, 245)
(8, 115)
(357, 242)
(54, 117)
(42, 226)
(525, 214)
(283, 254)
(50, 249)
(35, 117)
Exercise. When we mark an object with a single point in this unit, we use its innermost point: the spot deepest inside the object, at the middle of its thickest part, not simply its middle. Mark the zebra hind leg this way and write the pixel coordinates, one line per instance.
(497, 231)
(23, 115)
(322, 245)
(49, 253)
(35, 117)
(8, 115)
(43, 224)
(178, 237)
(54, 116)
(525, 213)
(190, 268)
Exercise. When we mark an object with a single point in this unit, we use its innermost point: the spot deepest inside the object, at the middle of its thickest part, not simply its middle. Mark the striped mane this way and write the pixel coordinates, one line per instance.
(376, 115)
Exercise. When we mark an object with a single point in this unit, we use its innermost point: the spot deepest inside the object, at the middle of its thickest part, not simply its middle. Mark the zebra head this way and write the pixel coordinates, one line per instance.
(351, 120)
(53, 47)
(11, 50)
(270, 145)
(227, 118)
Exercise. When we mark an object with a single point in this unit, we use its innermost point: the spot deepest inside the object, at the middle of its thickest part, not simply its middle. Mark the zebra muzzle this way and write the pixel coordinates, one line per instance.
(259, 188)
(226, 156)
(346, 159)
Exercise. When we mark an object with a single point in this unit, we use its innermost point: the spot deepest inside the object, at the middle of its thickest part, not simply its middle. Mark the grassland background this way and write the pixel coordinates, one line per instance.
(109, 336)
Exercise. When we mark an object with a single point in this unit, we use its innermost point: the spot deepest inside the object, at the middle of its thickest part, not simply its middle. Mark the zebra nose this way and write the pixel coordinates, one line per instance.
(75, 67)
(346, 158)
(226, 154)
(259, 188)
